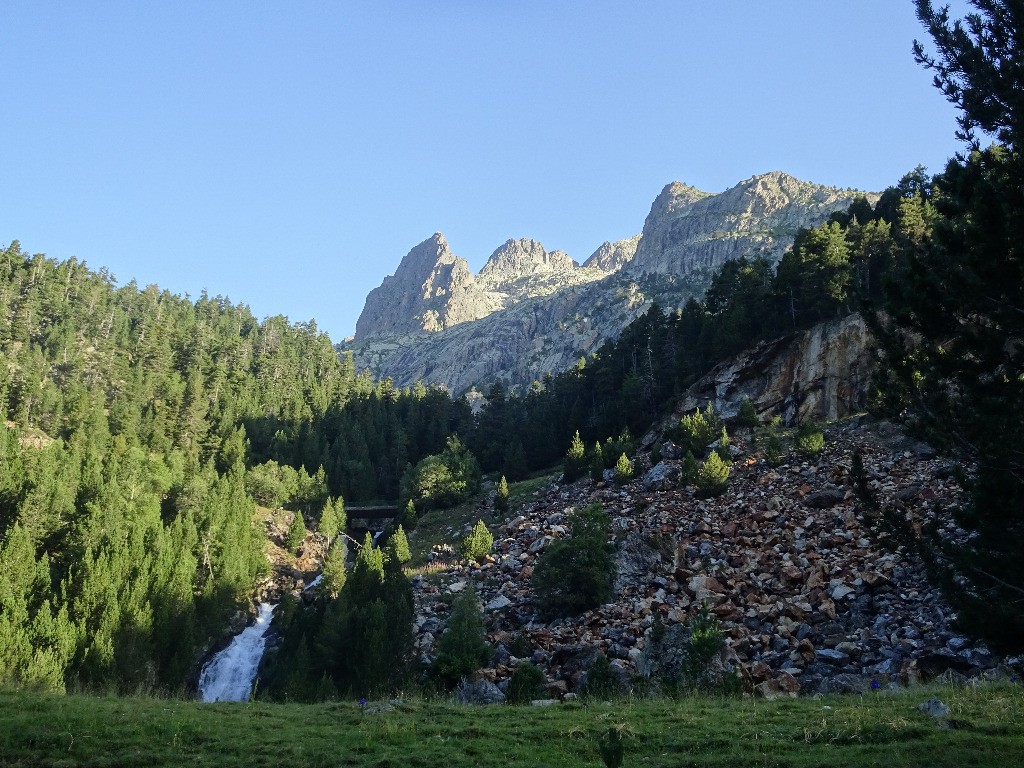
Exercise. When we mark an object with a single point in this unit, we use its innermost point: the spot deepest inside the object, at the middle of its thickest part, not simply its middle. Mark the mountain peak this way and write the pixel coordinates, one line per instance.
(431, 290)
(523, 257)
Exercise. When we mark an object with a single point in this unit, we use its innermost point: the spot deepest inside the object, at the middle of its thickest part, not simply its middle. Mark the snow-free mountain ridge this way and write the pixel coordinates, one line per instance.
(531, 311)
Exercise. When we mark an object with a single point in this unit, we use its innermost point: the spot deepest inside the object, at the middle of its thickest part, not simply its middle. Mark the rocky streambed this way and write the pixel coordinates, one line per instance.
(809, 596)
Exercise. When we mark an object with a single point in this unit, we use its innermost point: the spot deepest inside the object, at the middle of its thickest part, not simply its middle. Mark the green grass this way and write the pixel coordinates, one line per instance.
(884, 729)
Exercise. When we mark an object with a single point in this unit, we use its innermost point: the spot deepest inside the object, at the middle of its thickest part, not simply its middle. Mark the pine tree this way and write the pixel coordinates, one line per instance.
(296, 535)
(952, 345)
(623, 469)
(463, 648)
(399, 544)
(334, 572)
(574, 459)
(478, 543)
(501, 497)
(713, 475)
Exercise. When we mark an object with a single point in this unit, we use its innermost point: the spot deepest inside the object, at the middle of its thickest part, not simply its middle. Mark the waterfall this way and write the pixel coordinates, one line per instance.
(229, 675)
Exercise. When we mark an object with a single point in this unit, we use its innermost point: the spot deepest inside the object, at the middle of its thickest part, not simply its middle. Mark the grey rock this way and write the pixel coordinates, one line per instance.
(635, 561)
(934, 708)
(478, 692)
(498, 603)
(660, 476)
(825, 498)
(530, 311)
(832, 656)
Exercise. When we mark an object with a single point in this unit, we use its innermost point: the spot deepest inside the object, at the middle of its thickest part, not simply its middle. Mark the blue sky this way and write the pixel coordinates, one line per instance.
(287, 155)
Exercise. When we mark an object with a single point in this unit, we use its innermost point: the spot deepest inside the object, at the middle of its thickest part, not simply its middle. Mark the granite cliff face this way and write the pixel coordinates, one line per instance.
(820, 374)
(431, 290)
(531, 311)
(688, 230)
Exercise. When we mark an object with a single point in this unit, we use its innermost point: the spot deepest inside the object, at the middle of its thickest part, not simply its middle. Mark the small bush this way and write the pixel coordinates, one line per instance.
(520, 646)
(601, 682)
(809, 440)
(478, 543)
(527, 684)
(713, 475)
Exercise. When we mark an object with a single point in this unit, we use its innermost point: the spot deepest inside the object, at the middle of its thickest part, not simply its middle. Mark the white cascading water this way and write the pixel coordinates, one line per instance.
(229, 675)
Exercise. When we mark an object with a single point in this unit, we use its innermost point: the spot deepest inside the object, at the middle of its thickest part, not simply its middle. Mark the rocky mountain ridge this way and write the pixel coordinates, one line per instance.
(530, 311)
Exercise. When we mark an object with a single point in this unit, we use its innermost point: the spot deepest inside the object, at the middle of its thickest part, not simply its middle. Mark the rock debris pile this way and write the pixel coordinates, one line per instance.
(809, 597)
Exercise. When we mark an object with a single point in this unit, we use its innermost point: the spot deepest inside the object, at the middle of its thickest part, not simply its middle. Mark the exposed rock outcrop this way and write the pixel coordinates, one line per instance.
(611, 257)
(822, 373)
(688, 230)
(531, 311)
(431, 290)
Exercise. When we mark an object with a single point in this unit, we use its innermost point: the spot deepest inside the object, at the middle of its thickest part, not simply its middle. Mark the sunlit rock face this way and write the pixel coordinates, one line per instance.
(531, 311)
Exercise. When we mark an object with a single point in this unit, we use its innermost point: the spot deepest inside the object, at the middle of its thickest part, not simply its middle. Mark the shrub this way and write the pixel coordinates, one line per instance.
(601, 682)
(462, 649)
(698, 430)
(809, 440)
(478, 543)
(713, 475)
(575, 573)
(623, 470)
(527, 684)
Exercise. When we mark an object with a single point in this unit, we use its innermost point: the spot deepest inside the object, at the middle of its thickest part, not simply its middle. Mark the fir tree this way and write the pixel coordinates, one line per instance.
(478, 543)
(463, 647)
(399, 545)
(334, 571)
(501, 497)
(296, 535)
(623, 469)
(574, 459)
(951, 345)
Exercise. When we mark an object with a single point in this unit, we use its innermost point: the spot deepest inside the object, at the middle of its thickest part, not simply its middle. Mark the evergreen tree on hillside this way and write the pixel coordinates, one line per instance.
(952, 343)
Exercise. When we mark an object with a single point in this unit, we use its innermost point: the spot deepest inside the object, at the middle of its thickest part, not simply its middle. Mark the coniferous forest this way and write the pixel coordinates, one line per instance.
(139, 430)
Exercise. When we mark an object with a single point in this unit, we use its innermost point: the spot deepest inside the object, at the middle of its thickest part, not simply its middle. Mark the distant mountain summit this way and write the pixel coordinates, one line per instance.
(431, 290)
(531, 311)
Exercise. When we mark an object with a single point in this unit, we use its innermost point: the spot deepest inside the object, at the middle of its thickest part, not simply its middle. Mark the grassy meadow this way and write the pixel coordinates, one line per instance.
(985, 728)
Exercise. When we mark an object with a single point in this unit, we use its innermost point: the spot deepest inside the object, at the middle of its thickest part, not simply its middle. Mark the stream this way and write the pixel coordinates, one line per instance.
(229, 674)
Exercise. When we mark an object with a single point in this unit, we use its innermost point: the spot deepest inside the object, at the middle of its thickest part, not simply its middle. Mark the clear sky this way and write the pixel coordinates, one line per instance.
(287, 155)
